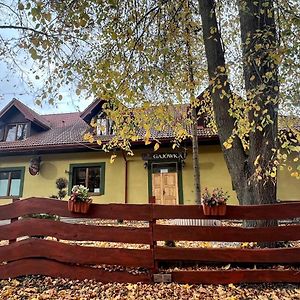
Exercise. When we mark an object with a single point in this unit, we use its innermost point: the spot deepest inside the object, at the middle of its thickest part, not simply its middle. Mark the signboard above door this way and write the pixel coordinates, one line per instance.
(164, 156)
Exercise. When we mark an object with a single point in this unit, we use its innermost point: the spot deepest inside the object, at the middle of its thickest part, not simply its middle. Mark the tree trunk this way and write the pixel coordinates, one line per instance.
(235, 157)
(195, 148)
(241, 165)
(196, 167)
(259, 44)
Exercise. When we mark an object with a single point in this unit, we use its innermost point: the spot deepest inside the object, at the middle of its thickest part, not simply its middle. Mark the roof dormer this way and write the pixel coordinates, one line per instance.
(17, 121)
(95, 113)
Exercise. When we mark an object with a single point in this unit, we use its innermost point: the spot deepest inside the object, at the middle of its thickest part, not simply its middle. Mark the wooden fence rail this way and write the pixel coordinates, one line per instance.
(88, 251)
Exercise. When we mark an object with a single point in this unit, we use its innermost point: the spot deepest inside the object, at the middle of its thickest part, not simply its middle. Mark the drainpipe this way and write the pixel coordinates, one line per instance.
(126, 178)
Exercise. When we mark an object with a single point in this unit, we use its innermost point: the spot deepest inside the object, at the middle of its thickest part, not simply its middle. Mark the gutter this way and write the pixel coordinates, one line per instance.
(50, 148)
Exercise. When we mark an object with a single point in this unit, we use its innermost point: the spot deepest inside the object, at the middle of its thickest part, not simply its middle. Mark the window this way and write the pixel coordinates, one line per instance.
(11, 182)
(89, 175)
(104, 127)
(15, 132)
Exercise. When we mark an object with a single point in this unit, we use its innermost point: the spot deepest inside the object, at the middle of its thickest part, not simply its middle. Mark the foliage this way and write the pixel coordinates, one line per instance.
(80, 193)
(214, 198)
(61, 184)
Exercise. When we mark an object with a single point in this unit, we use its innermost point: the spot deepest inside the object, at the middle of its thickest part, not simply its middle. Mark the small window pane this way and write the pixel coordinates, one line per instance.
(3, 183)
(4, 175)
(94, 179)
(16, 174)
(11, 133)
(89, 177)
(10, 183)
(79, 176)
(21, 132)
(15, 187)
(101, 127)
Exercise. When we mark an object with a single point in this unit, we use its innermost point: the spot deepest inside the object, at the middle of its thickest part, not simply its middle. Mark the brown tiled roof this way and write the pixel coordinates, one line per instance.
(65, 131)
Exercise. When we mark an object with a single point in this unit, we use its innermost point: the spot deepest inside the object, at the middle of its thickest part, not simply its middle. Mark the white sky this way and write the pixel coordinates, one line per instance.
(12, 86)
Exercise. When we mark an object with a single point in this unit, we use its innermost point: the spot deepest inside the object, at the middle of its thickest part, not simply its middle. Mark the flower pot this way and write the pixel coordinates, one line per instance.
(78, 207)
(218, 210)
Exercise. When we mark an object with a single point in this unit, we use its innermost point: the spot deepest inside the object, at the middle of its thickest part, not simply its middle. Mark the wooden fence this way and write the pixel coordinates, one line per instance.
(57, 258)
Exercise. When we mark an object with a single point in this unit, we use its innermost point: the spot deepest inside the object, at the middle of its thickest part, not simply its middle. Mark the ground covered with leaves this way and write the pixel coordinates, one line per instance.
(39, 287)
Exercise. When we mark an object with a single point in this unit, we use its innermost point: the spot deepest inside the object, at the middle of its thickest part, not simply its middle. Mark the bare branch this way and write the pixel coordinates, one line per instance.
(23, 28)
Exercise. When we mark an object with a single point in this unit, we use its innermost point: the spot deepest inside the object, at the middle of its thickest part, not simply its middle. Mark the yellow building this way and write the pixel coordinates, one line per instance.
(35, 150)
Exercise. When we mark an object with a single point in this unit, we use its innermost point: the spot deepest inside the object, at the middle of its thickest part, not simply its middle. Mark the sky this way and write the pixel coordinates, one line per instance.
(13, 83)
(13, 86)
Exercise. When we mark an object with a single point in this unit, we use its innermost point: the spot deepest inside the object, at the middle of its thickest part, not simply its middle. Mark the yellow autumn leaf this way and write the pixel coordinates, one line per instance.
(222, 69)
(181, 132)
(227, 145)
(99, 142)
(147, 137)
(112, 158)
(86, 136)
(256, 160)
(156, 146)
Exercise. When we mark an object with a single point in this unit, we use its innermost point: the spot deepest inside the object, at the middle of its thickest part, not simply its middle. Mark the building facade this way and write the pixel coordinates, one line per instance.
(36, 150)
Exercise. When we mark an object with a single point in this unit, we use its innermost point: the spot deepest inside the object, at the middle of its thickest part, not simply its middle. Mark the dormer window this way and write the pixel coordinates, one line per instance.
(14, 132)
(104, 125)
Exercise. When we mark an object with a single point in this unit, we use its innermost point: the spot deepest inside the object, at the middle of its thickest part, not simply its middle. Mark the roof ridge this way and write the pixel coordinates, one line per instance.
(57, 114)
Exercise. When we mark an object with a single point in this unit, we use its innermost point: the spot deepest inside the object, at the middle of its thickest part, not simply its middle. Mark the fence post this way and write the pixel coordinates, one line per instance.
(12, 220)
(153, 242)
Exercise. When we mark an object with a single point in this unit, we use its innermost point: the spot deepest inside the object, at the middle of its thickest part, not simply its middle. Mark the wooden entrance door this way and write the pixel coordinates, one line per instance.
(165, 188)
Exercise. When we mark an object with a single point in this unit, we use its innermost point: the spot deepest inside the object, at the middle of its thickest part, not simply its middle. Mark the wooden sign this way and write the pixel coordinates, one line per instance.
(164, 156)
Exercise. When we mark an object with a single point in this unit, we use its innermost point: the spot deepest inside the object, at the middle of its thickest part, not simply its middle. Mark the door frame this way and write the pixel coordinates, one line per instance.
(179, 177)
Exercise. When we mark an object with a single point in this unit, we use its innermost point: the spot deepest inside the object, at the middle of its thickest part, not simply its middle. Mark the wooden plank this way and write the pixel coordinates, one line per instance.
(229, 255)
(50, 268)
(236, 276)
(13, 220)
(75, 232)
(278, 211)
(62, 252)
(141, 212)
(225, 234)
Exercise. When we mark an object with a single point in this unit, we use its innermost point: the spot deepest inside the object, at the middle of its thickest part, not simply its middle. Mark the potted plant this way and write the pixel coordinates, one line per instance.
(80, 200)
(214, 203)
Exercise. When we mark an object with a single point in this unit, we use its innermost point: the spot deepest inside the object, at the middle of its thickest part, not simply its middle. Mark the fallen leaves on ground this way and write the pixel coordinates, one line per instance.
(40, 287)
